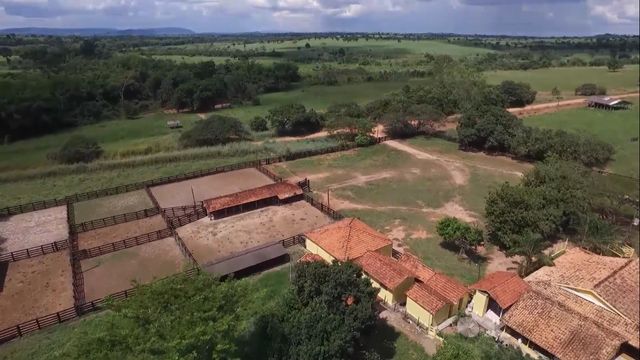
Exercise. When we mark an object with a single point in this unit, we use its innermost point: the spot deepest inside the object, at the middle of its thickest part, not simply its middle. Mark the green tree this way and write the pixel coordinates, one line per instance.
(454, 231)
(614, 64)
(458, 347)
(488, 128)
(214, 130)
(6, 53)
(348, 121)
(79, 148)
(517, 94)
(557, 94)
(258, 124)
(294, 119)
(327, 310)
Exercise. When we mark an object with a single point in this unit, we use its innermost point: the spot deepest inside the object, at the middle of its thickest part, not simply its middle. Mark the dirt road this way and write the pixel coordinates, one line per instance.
(537, 109)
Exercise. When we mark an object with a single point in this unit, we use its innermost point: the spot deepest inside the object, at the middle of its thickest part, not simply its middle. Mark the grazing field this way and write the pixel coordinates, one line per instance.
(567, 79)
(209, 240)
(110, 273)
(35, 287)
(111, 205)
(619, 128)
(186, 192)
(403, 188)
(33, 229)
(119, 232)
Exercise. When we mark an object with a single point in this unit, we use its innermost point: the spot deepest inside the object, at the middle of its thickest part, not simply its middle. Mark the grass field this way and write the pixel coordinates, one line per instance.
(568, 78)
(404, 196)
(618, 128)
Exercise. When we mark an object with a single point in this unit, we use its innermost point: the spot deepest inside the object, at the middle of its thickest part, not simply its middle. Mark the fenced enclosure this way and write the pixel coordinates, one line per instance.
(269, 173)
(115, 220)
(322, 207)
(123, 244)
(178, 211)
(183, 220)
(35, 251)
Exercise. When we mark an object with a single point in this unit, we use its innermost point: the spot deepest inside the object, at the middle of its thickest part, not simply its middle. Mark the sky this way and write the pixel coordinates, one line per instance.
(512, 17)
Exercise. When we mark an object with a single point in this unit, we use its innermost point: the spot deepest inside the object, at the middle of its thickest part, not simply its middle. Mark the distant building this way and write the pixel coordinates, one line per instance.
(608, 103)
(222, 106)
(174, 124)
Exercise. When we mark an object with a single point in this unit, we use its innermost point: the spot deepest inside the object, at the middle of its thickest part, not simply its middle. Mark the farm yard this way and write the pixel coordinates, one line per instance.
(32, 229)
(210, 240)
(35, 287)
(118, 232)
(185, 192)
(118, 271)
(111, 205)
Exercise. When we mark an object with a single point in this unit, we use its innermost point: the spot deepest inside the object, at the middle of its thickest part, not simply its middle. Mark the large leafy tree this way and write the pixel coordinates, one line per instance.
(214, 130)
(347, 120)
(488, 128)
(457, 347)
(294, 119)
(458, 233)
(517, 94)
(323, 316)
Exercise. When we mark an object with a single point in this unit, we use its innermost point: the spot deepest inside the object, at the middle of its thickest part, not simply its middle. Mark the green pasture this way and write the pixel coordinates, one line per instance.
(569, 78)
(619, 128)
(111, 205)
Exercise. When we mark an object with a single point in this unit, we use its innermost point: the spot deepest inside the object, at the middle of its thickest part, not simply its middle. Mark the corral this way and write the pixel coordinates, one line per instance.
(110, 273)
(36, 287)
(210, 240)
(33, 229)
(118, 232)
(207, 187)
(111, 205)
(272, 194)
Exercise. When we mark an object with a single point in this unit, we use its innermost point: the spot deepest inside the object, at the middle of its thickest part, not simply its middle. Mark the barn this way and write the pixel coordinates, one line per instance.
(252, 199)
(607, 103)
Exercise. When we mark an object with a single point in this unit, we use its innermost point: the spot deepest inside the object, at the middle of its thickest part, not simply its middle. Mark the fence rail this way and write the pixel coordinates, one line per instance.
(269, 173)
(184, 249)
(183, 220)
(34, 206)
(35, 251)
(177, 211)
(322, 207)
(123, 244)
(115, 220)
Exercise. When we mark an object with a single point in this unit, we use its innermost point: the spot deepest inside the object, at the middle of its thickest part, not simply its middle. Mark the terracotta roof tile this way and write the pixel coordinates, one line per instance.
(310, 257)
(621, 290)
(503, 286)
(416, 266)
(282, 190)
(559, 330)
(447, 287)
(383, 269)
(426, 298)
(348, 239)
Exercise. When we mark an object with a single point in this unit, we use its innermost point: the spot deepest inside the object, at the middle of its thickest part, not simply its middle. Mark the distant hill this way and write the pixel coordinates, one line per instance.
(97, 31)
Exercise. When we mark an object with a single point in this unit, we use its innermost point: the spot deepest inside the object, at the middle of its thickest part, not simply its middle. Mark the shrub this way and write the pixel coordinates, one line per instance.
(456, 232)
(364, 140)
(215, 130)
(258, 124)
(295, 119)
(78, 149)
(590, 90)
(517, 94)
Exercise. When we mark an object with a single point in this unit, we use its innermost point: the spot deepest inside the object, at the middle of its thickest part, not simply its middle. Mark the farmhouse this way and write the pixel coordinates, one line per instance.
(345, 240)
(608, 103)
(386, 274)
(587, 306)
(494, 295)
(252, 199)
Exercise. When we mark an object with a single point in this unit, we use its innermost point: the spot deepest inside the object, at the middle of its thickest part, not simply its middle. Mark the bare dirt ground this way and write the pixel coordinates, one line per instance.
(33, 228)
(118, 232)
(429, 344)
(111, 205)
(212, 240)
(36, 287)
(110, 273)
(545, 108)
(207, 187)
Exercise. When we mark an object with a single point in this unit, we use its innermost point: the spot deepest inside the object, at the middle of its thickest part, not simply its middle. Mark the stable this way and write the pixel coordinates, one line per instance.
(607, 103)
(252, 199)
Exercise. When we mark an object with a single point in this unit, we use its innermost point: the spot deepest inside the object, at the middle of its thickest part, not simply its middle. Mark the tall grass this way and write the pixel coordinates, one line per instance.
(233, 150)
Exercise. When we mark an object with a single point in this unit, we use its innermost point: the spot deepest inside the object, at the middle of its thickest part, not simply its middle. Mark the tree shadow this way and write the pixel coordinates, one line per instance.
(469, 254)
(381, 340)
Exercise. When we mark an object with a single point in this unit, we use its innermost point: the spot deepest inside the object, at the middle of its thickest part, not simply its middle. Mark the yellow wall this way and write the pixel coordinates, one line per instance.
(480, 303)
(313, 248)
(383, 293)
(442, 315)
(421, 315)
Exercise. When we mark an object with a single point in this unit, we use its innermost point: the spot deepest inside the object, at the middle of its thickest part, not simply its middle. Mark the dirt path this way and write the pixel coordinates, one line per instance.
(394, 319)
(550, 107)
(457, 168)
(362, 179)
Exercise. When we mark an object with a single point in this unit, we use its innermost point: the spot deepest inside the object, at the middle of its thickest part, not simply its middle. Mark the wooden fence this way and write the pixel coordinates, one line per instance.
(322, 207)
(183, 220)
(34, 206)
(178, 211)
(123, 244)
(269, 173)
(115, 220)
(184, 249)
(35, 251)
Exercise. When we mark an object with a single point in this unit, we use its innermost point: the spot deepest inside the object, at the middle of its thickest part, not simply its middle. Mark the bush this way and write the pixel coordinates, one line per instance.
(295, 119)
(489, 128)
(458, 233)
(517, 94)
(215, 130)
(78, 149)
(258, 124)
(590, 90)
(364, 140)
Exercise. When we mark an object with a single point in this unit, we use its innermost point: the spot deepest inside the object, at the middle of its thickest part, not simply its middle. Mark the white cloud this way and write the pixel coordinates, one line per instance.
(615, 11)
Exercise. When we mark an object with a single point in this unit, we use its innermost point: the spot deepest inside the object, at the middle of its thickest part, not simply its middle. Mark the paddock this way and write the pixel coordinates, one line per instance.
(35, 287)
(118, 232)
(32, 229)
(110, 273)
(111, 205)
(211, 240)
(208, 187)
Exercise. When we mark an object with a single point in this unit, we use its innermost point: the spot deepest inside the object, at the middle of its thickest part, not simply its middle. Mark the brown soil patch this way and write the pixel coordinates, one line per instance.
(207, 187)
(211, 240)
(110, 273)
(360, 180)
(454, 209)
(111, 205)
(122, 231)
(498, 261)
(33, 229)
(36, 287)
(420, 234)
(550, 107)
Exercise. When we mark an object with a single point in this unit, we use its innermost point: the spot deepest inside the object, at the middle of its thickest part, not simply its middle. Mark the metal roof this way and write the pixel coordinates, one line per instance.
(246, 259)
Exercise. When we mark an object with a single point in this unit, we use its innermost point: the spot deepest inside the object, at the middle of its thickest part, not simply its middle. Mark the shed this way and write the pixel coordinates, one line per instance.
(495, 293)
(174, 124)
(271, 194)
(249, 261)
(608, 103)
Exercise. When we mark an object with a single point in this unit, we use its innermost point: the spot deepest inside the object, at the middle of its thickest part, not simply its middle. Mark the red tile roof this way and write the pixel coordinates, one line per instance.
(426, 298)
(416, 266)
(310, 257)
(503, 286)
(281, 190)
(348, 239)
(383, 269)
(620, 290)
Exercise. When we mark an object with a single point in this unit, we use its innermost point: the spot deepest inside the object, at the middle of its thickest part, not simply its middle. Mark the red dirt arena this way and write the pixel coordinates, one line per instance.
(33, 229)
(118, 232)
